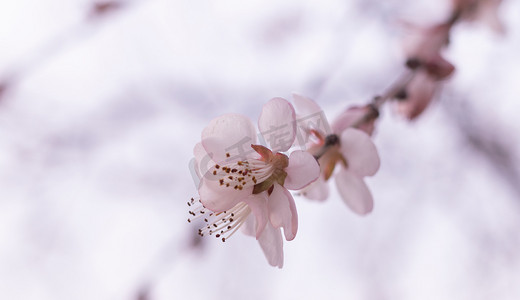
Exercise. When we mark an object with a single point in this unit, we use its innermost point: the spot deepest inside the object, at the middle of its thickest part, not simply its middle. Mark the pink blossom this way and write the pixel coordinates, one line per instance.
(349, 148)
(423, 48)
(247, 183)
(424, 43)
(419, 93)
(429, 67)
(485, 11)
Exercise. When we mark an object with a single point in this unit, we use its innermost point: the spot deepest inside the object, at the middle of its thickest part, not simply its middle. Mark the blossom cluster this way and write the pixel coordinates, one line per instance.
(245, 178)
(423, 49)
(244, 184)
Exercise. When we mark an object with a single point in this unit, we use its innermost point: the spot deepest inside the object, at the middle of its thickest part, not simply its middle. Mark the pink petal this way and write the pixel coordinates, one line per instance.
(272, 244)
(219, 198)
(277, 124)
(230, 133)
(485, 11)
(438, 67)
(354, 192)
(249, 226)
(302, 170)
(309, 117)
(258, 205)
(318, 190)
(202, 160)
(360, 152)
(282, 211)
(420, 93)
(424, 43)
(197, 158)
(351, 116)
(488, 13)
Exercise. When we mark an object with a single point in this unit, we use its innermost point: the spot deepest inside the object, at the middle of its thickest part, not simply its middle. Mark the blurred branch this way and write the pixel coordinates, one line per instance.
(165, 259)
(485, 139)
(98, 11)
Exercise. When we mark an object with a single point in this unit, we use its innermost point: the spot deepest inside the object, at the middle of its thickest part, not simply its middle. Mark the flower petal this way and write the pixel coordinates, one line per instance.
(282, 211)
(272, 244)
(354, 192)
(230, 134)
(438, 67)
(302, 170)
(277, 124)
(318, 190)
(218, 198)
(352, 115)
(424, 43)
(258, 205)
(420, 93)
(488, 13)
(249, 226)
(203, 161)
(309, 116)
(360, 152)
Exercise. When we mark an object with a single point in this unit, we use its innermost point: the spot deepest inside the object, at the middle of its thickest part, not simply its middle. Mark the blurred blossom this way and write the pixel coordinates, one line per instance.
(485, 11)
(344, 146)
(353, 115)
(252, 187)
(423, 49)
(424, 43)
(101, 9)
(418, 95)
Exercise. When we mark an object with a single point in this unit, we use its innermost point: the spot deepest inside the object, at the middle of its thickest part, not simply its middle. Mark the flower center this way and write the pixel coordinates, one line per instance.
(277, 162)
(329, 159)
(259, 173)
(327, 153)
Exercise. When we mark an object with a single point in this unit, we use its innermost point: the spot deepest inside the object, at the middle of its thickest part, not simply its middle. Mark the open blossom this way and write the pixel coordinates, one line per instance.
(247, 183)
(430, 68)
(342, 146)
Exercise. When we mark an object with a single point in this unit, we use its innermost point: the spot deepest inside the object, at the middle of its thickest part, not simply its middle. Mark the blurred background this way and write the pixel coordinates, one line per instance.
(101, 104)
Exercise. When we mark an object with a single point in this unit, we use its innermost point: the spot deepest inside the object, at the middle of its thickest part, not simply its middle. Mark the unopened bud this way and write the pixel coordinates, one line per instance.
(413, 63)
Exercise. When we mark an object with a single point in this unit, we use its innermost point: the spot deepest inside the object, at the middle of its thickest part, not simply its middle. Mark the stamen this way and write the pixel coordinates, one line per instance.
(221, 223)
(199, 213)
(242, 174)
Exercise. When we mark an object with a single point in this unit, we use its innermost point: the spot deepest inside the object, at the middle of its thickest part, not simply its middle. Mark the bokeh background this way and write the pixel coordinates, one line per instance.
(102, 103)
